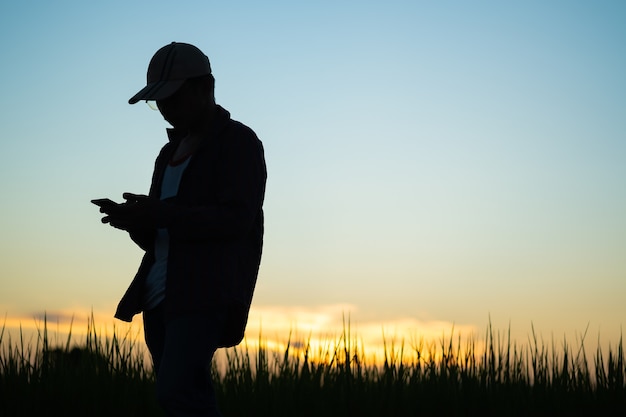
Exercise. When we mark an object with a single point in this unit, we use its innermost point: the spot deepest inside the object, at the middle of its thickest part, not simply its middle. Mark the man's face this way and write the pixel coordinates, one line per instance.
(184, 108)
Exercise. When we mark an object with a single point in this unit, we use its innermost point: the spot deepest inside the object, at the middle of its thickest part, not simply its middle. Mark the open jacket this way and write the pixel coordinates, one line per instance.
(215, 227)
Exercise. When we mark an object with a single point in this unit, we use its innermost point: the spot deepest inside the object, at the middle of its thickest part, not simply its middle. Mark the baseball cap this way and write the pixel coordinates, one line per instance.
(169, 68)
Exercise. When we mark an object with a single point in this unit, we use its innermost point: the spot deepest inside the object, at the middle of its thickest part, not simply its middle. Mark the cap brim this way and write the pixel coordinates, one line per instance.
(157, 91)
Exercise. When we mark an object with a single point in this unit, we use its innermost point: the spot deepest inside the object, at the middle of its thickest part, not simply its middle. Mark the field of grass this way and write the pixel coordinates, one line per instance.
(104, 376)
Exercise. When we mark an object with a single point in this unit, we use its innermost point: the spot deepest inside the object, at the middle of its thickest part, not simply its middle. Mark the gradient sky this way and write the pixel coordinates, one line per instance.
(429, 163)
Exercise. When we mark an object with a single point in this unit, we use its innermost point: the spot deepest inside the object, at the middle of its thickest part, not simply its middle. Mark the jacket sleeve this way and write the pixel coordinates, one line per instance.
(241, 176)
(143, 238)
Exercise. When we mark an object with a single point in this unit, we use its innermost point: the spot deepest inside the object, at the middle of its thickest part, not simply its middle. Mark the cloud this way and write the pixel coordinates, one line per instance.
(60, 321)
(325, 327)
(337, 318)
(54, 317)
(284, 319)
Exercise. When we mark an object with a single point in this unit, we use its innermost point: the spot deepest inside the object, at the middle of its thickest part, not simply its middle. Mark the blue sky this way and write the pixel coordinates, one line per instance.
(430, 161)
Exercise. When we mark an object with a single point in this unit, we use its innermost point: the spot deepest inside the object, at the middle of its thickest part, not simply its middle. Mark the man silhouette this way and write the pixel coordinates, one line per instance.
(201, 227)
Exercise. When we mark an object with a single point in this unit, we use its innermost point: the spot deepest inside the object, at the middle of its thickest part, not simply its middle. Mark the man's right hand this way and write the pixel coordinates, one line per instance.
(118, 215)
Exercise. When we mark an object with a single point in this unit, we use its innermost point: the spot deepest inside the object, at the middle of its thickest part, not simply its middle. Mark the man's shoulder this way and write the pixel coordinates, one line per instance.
(236, 132)
(230, 125)
(241, 130)
(239, 140)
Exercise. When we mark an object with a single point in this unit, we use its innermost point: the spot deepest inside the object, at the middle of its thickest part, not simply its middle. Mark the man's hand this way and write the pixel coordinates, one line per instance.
(137, 212)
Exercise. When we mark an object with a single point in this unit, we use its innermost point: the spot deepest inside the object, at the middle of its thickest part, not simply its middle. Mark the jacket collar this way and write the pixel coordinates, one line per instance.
(222, 117)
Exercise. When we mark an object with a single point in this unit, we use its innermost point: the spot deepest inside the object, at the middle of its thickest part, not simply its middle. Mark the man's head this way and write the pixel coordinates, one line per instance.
(170, 67)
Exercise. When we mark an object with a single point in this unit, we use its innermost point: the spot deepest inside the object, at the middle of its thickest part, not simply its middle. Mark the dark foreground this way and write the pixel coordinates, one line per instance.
(109, 377)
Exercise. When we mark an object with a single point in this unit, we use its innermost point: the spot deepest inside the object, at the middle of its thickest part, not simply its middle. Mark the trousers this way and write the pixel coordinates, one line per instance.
(182, 350)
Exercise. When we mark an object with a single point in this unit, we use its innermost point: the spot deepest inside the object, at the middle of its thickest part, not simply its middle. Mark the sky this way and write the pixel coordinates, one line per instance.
(431, 165)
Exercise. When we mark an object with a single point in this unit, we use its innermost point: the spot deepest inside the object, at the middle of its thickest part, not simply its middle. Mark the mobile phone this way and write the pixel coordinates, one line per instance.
(104, 202)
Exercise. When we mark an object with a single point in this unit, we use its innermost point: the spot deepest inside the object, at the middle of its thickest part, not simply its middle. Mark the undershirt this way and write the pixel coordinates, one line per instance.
(155, 282)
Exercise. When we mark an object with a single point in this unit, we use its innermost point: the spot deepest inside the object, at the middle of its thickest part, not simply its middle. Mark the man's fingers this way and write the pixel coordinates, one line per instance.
(117, 210)
(122, 225)
(134, 197)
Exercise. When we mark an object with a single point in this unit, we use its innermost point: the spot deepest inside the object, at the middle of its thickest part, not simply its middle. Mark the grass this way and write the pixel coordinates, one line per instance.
(101, 376)
(109, 376)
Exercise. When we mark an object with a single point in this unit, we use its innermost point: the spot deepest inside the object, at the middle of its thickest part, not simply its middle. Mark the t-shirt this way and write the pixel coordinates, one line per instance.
(155, 282)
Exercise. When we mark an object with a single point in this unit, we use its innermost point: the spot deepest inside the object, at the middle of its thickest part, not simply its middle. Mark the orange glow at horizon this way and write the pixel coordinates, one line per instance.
(320, 332)
(323, 334)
